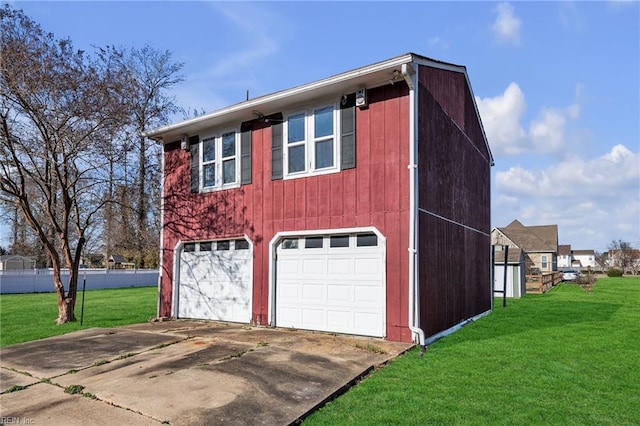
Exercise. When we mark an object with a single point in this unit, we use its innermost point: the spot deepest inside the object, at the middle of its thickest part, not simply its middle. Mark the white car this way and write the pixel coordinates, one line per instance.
(570, 275)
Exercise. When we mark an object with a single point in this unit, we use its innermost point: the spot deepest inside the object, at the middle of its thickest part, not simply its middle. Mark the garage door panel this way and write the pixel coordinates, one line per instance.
(215, 285)
(312, 317)
(331, 289)
(336, 267)
(337, 318)
(290, 292)
(311, 267)
(367, 267)
(339, 293)
(289, 267)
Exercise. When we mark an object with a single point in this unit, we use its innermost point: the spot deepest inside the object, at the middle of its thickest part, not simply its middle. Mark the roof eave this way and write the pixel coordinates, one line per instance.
(369, 76)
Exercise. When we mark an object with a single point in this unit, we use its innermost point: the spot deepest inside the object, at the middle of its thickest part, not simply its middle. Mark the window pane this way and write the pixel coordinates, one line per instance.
(208, 149)
(228, 145)
(209, 175)
(228, 171)
(242, 245)
(313, 242)
(323, 122)
(367, 240)
(295, 128)
(324, 154)
(189, 247)
(205, 246)
(223, 245)
(290, 243)
(340, 241)
(296, 159)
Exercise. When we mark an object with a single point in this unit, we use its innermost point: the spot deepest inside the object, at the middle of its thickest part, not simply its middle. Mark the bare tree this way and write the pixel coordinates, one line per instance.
(622, 255)
(58, 108)
(152, 74)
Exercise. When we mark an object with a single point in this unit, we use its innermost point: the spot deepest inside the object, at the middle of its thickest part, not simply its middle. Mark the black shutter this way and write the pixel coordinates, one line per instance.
(276, 151)
(245, 156)
(194, 142)
(348, 133)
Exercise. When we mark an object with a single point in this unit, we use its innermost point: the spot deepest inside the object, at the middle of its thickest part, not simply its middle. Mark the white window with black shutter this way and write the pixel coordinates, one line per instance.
(220, 160)
(314, 141)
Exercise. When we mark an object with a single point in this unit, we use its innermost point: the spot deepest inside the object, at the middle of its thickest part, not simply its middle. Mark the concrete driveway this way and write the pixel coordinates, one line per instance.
(182, 373)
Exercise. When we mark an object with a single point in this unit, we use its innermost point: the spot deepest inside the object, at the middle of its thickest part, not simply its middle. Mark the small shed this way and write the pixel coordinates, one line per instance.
(14, 261)
(516, 280)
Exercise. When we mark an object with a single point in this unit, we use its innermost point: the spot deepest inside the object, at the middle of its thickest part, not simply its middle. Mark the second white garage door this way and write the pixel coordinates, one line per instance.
(332, 283)
(215, 281)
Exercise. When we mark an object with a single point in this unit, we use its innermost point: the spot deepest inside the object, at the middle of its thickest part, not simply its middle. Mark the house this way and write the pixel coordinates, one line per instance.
(115, 261)
(14, 261)
(94, 260)
(564, 256)
(583, 258)
(515, 274)
(539, 243)
(568, 258)
(355, 204)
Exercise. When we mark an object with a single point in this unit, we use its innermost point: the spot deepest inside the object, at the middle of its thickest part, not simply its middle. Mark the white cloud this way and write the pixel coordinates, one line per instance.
(507, 25)
(438, 42)
(614, 173)
(592, 201)
(502, 115)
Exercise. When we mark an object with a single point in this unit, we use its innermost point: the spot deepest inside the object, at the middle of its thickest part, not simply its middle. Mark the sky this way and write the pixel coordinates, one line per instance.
(557, 84)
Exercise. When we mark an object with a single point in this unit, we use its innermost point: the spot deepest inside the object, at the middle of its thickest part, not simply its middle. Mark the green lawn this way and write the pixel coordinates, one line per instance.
(567, 357)
(25, 317)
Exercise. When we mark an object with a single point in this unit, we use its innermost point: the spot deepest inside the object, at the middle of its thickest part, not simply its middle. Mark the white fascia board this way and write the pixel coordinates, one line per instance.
(369, 76)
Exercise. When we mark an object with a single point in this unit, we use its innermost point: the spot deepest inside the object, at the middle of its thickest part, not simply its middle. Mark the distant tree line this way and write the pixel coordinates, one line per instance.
(620, 255)
(76, 176)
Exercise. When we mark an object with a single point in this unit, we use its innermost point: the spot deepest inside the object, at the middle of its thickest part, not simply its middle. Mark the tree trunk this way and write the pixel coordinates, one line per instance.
(66, 304)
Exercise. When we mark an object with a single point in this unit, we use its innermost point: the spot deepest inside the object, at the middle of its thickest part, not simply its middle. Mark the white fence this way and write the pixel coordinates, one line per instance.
(41, 280)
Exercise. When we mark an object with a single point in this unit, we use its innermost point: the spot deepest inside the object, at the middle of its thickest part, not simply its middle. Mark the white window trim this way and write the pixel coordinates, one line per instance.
(309, 142)
(219, 161)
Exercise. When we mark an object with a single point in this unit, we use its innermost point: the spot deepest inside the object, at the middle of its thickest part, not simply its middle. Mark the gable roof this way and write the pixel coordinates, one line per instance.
(370, 76)
(583, 252)
(564, 249)
(542, 238)
(116, 258)
(6, 257)
(515, 256)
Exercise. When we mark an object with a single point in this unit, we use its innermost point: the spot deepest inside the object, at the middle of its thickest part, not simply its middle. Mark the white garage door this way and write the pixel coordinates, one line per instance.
(216, 281)
(331, 283)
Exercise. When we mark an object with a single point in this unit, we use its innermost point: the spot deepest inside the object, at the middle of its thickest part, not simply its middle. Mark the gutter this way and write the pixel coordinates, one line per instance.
(410, 75)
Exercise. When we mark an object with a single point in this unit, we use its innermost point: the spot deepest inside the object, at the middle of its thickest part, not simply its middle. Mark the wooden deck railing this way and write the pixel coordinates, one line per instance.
(538, 284)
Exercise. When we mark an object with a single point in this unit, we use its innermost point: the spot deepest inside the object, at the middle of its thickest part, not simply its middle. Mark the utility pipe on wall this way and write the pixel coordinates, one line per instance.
(414, 301)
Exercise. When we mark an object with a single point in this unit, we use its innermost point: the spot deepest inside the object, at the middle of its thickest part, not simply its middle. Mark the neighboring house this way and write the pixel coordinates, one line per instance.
(14, 261)
(564, 256)
(115, 261)
(583, 258)
(356, 204)
(539, 243)
(516, 279)
(94, 260)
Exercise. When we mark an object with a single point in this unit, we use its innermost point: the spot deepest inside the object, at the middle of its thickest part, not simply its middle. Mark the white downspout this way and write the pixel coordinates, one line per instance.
(414, 301)
(160, 265)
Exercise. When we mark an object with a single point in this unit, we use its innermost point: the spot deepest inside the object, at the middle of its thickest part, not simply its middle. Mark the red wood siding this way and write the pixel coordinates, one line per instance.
(375, 193)
(454, 176)
(452, 93)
